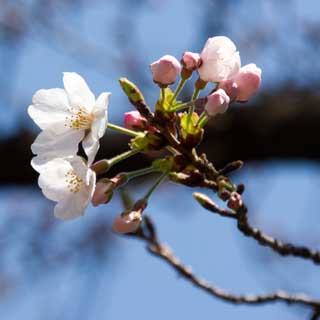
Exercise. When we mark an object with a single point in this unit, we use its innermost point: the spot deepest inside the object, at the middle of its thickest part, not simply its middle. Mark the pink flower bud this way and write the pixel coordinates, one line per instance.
(217, 102)
(248, 80)
(191, 60)
(220, 60)
(235, 201)
(133, 120)
(103, 193)
(127, 222)
(165, 70)
(230, 87)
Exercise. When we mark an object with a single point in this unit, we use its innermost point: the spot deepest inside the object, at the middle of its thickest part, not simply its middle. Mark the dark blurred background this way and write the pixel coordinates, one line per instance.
(79, 269)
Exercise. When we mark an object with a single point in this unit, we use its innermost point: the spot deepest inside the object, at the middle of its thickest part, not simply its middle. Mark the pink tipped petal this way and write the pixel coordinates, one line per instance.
(103, 193)
(191, 60)
(248, 81)
(230, 87)
(217, 102)
(220, 60)
(165, 70)
(128, 222)
(133, 120)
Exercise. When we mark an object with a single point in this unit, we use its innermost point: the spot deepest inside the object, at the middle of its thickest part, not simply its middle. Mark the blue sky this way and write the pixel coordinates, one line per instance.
(129, 282)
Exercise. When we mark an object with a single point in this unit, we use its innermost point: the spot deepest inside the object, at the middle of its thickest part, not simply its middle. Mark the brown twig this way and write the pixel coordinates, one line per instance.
(149, 235)
(284, 249)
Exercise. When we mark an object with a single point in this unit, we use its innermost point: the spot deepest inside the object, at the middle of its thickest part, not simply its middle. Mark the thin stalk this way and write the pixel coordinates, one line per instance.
(183, 105)
(123, 130)
(203, 119)
(140, 172)
(121, 157)
(178, 89)
(150, 191)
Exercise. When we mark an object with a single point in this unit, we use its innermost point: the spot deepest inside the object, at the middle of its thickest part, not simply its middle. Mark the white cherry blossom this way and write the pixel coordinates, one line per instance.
(220, 60)
(70, 183)
(68, 116)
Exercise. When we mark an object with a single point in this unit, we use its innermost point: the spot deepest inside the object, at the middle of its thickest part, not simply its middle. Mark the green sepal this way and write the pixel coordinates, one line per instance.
(165, 165)
(168, 103)
(191, 132)
(148, 141)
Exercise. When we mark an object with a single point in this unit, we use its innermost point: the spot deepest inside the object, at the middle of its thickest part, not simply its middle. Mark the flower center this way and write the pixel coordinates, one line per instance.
(79, 119)
(73, 181)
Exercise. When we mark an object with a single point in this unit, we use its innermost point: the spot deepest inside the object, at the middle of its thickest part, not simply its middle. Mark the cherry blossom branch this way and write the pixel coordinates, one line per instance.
(147, 232)
(241, 215)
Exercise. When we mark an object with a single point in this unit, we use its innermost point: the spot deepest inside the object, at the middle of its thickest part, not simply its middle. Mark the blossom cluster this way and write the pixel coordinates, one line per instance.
(72, 116)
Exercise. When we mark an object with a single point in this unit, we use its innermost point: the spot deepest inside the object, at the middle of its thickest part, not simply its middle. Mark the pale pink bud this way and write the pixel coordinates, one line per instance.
(217, 102)
(191, 60)
(230, 87)
(165, 70)
(248, 80)
(103, 193)
(127, 222)
(134, 120)
(235, 201)
(220, 60)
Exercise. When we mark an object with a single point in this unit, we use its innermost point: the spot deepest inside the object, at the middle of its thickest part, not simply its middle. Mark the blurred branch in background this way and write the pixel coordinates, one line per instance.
(276, 127)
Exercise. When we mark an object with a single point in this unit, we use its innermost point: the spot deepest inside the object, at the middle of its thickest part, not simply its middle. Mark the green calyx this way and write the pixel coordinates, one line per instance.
(146, 142)
(167, 102)
(191, 132)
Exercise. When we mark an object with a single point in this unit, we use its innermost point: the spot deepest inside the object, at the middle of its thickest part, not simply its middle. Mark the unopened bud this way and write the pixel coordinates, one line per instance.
(191, 60)
(133, 120)
(217, 102)
(103, 192)
(165, 70)
(230, 87)
(100, 166)
(248, 80)
(206, 202)
(127, 222)
(235, 201)
(131, 90)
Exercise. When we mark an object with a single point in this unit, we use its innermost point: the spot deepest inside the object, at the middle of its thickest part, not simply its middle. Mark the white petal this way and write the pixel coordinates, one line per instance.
(49, 109)
(101, 115)
(75, 204)
(52, 145)
(78, 92)
(91, 146)
(52, 179)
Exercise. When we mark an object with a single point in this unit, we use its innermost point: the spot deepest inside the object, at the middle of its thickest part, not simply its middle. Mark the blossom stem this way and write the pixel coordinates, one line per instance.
(203, 119)
(195, 95)
(163, 95)
(183, 105)
(178, 89)
(123, 130)
(140, 172)
(121, 157)
(150, 191)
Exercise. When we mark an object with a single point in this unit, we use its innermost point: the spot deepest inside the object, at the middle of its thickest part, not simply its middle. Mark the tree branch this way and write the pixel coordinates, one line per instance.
(284, 249)
(147, 232)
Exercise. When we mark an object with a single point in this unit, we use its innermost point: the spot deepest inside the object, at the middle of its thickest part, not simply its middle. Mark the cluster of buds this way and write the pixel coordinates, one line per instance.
(72, 116)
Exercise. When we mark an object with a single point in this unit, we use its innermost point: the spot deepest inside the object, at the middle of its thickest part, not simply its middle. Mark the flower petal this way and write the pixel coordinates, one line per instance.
(52, 145)
(52, 179)
(49, 109)
(78, 92)
(74, 206)
(91, 146)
